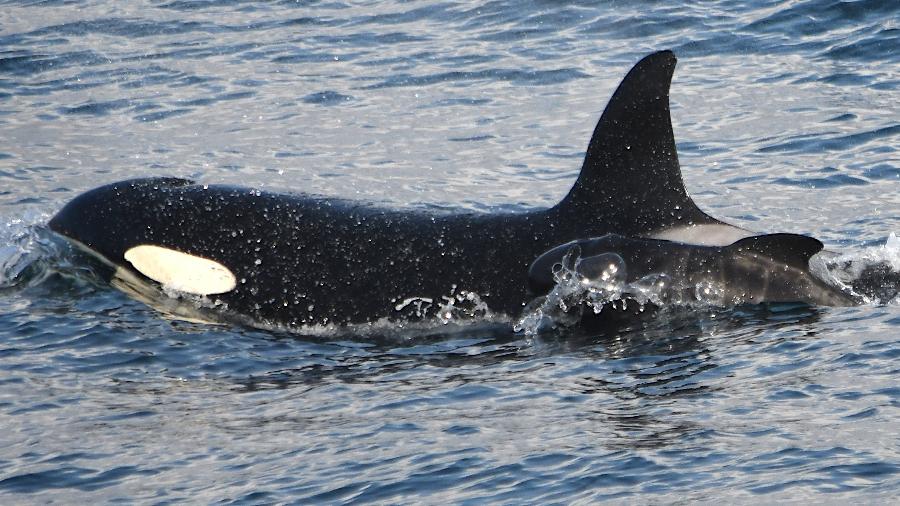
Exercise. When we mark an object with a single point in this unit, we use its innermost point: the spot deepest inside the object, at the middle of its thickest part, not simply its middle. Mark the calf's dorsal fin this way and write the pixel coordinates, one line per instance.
(791, 249)
(631, 177)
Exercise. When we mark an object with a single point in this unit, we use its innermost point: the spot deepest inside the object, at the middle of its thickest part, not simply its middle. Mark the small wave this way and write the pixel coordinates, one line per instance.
(71, 477)
(516, 76)
(835, 143)
(34, 64)
(31, 254)
(161, 115)
(867, 46)
(882, 171)
(25, 246)
(806, 19)
(326, 98)
(831, 181)
(93, 108)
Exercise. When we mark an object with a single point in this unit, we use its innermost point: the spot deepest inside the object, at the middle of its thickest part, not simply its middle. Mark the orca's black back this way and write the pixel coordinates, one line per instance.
(300, 259)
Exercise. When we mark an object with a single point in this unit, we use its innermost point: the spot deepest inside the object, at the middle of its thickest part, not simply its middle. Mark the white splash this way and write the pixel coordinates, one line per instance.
(463, 305)
(602, 285)
(563, 305)
(458, 306)
(873, 273)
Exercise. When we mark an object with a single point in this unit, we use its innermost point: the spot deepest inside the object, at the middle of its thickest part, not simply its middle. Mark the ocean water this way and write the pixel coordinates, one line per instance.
(787, 119)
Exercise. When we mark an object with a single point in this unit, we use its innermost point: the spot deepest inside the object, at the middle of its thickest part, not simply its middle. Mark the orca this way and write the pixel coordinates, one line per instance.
(295, 259)
(763, 268)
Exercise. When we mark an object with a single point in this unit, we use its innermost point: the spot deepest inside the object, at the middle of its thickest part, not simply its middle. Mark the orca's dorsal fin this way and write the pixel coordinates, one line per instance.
(631, 174)
(791, 249)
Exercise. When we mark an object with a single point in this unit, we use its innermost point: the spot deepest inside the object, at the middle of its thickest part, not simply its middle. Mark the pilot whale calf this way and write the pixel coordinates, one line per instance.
(294, 259)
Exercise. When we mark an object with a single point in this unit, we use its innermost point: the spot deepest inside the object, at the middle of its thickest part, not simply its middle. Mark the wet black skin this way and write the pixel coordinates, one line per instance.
(304, 260)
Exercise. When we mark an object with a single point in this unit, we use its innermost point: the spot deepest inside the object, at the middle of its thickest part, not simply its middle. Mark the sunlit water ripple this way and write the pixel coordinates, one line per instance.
(786, 117)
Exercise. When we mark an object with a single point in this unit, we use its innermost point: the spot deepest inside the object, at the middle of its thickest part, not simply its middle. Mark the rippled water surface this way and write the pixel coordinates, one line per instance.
(786, 116)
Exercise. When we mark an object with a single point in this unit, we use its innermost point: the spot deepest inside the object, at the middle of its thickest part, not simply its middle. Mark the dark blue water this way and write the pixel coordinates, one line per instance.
(787, 119)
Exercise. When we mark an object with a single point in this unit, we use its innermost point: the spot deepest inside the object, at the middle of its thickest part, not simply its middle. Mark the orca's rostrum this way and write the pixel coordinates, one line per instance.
(294, 260)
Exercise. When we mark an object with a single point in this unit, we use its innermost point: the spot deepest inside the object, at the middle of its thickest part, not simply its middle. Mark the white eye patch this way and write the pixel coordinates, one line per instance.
(181, 271)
